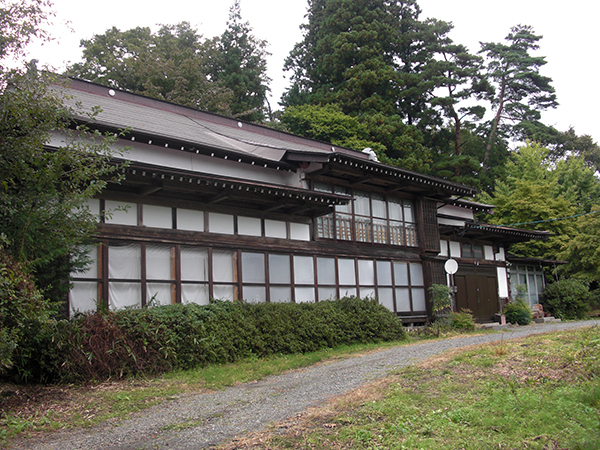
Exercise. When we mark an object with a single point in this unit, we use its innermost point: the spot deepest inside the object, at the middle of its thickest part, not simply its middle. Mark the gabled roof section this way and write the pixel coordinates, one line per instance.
(357, 171)
(495, 233)
(166, 124)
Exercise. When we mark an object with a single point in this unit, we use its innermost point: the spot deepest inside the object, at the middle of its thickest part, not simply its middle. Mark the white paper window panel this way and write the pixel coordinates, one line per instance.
(346, 271)
(194, 293)
(379, 206)
(327, 293)
(418, 298)
(281, 294)
(367, 292)
(343, 208)
(366, 273)
(347, 291)
(249, 226)
(194, 264)
(326, 270)
(253, 267)
(157, 216)
(122, 295)
(159, 264)
(386, 298)
(304, 272)
(395, 209)
(416, 274)
(120, 213)
(223, 266)
(223, 292)
(300, 231)
(500, 256)
(275, 229)
(443, 247)
(305, 294)
(455, 249)
(83, 297)
(190, 220)
(408, 211)
(279, 269)
(384, 273)
(502, 282)
(362, 206)
(401, 273)
(91, 269)
(124, 262)
(159, 293)
(402, 299)
(255, 294)
(220, 223)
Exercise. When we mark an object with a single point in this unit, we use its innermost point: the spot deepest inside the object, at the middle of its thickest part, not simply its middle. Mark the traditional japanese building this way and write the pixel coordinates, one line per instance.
(212, 207)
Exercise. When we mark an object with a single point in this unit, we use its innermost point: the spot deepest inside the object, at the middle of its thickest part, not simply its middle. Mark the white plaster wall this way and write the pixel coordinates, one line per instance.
(456, 211)
(488, 252)
(502, 282)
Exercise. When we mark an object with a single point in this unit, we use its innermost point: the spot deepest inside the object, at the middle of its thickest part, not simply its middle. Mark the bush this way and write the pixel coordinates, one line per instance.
(567, 299)
(463, 320)
(518, 312)
(23, 314)
(155, 340)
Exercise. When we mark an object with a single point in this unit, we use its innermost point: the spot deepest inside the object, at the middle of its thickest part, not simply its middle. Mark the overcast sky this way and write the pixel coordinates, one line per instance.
(570, 44)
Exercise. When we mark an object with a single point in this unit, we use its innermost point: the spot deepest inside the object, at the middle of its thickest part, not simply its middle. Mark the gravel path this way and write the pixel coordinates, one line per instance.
(199, 421)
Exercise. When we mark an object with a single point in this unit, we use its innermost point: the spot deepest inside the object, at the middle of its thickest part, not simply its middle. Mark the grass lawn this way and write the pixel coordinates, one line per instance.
(541, 392)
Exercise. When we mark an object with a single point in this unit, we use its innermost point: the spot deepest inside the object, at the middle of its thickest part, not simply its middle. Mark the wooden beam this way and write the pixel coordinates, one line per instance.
(155, 187)
(223, 195)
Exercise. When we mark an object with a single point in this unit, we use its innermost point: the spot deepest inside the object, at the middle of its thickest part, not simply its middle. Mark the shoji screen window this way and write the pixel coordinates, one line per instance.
(160, 274)
(254, 277)
(326, 279)
(343, 217)
(366, 278)
(385, 289)
(379, 219)
(85, 292)
(225, 276)
(194, 275)
(362, 217)
(304, 279)
(124, 275)
(280, 278)
(410, 290)
(347, 277)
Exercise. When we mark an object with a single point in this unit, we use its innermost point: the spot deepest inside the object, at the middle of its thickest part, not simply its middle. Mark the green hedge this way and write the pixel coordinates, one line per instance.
(154, 340)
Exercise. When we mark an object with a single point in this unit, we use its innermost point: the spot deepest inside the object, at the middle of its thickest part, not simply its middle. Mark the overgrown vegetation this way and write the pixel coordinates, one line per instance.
(567, 299)
(518, 311)
(541, 392)
(165, 338)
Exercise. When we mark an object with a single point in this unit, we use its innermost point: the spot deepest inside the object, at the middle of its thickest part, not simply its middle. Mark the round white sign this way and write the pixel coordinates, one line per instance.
(451, 266)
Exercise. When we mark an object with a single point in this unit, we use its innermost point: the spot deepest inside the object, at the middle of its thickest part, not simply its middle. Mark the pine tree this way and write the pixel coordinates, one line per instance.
(242, 67)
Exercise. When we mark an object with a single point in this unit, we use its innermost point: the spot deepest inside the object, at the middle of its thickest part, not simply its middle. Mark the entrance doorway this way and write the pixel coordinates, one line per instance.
(477, 290)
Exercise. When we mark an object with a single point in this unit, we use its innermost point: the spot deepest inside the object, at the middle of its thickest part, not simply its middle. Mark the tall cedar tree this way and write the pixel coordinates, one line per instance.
(173, 65)
(242, 66)
(520, 91)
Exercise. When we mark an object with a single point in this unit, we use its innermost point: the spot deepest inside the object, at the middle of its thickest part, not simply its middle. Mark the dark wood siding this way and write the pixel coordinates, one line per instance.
(429, 232)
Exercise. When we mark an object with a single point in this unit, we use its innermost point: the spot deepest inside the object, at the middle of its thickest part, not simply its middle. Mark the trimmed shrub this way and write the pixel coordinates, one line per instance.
(567, 299)
(518, 312)
(463, 320)
(163, 338)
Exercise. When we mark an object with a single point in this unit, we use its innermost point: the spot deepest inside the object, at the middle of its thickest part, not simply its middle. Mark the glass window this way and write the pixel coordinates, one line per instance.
(362, 206)
(416, 274)
(194, 293)
(366, 273)
(249, 226)
(386, 298)
(279, 269)
(282, 294)
(304, 272)
(401, 273)
(253, 268)
(384, 273)
(194, 264)
(346, 271)
(124, 261)
(159, 263)
(379, 206)
(395, 209)
(223, 266)
(83, 296)
(408, 211)
(326, 270)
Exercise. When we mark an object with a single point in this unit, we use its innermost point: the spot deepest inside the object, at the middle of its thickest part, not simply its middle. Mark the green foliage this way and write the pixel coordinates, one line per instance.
(165, 338)
(173, 65)
(518, 311)
(567, 299)
(463, 320)
(441, 298)
(22, 310)
(240, 66)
